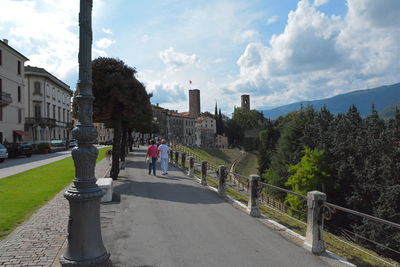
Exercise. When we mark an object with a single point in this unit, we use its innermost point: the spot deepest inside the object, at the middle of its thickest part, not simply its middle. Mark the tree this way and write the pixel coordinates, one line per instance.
(119, 99)
(307, 175)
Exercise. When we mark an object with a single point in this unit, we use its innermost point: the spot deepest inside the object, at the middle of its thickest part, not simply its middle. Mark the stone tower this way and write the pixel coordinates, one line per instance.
(194, 102)
(246, 102)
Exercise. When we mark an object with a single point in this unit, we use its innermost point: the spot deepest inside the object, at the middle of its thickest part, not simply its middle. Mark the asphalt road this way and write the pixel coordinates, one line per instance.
(174, 221)
(21, 164)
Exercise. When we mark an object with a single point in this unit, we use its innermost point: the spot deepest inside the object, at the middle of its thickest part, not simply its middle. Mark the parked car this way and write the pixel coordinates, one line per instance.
(3, 153)
(19, 149)
(73, 143)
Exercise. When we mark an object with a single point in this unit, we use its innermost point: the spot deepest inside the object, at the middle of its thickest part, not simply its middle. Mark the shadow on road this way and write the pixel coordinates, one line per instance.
(173, 192)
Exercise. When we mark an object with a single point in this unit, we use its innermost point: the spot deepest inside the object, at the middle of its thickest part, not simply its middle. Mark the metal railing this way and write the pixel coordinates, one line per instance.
(324, 209)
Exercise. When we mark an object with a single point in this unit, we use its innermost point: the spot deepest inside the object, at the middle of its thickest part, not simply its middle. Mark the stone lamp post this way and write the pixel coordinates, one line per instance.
(85, 244)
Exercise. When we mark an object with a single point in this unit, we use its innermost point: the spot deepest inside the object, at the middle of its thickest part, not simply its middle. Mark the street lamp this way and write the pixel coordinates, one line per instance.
(85, 244)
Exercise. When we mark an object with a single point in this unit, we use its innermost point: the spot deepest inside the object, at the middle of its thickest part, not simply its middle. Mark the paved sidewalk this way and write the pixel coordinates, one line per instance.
(38, 241)
(174, 221)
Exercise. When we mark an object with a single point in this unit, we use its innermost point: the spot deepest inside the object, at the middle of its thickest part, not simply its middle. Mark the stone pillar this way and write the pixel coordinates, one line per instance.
(313, 241)
(204, 172)
(253, 205)
(85, 244)
(191, 166)
(183, 157)
(221, 178)
(176, 161)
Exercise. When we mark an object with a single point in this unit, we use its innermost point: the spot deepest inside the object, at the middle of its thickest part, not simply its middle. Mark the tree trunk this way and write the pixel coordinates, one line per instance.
(130, 140)
(116, 151)
(123, 141)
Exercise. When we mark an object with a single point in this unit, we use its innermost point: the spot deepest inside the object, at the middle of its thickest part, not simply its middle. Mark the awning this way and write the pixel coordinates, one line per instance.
(21, 133)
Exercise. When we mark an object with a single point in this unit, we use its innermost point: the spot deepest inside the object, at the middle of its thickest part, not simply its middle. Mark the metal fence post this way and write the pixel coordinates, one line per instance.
(176, 161)
(183, 157)
(191, 166)
(171, 156)
(253, 204)
(204, 172)
(222, 178)
(314, 241)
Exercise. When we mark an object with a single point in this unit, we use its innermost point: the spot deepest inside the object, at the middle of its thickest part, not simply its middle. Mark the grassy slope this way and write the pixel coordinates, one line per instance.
(248, 165)
(22, 194)
(213, 156)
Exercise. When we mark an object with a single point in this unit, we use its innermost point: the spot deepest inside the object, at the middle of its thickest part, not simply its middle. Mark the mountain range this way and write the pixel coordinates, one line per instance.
(384, 98)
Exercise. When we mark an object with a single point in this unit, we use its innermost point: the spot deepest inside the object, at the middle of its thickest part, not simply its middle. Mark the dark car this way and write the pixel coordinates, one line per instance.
(19, 149)
(108, 142)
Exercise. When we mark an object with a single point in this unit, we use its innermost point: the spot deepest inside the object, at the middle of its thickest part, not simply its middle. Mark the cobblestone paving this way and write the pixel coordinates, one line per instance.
(38, 240)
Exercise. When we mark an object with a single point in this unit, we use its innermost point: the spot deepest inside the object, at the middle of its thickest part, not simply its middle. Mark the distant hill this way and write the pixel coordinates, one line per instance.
(384, 98)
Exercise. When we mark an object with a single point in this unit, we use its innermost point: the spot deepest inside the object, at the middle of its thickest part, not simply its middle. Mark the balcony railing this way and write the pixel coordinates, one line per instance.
(5, 99)
(43, 122)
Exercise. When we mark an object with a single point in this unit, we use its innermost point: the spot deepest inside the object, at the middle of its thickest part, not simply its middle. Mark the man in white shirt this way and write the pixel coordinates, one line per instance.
(163, 148)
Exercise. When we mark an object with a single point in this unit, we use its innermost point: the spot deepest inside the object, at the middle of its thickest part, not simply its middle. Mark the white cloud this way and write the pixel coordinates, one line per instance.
(104, 43)
(44, 31)
(272, 19)
(145, 38)
(320, 2)
(318, 56)
(107, 31)
(175, 59)
(248, 35)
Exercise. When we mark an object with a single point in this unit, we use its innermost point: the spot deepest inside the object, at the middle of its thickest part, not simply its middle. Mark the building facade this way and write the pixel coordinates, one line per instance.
(48, 106)
(221, 141)
(205, 131)
(103, 134)
(12, 94)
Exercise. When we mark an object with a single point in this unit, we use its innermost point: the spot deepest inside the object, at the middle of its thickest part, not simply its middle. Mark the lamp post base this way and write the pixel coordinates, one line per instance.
(102, 261)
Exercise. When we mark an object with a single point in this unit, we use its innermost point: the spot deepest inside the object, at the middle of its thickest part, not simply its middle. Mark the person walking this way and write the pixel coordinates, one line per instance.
(152, 154)
(163, 149)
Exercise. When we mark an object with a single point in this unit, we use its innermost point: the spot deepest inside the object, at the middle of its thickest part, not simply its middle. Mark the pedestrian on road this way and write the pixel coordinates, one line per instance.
(152, 154)
(163, 148)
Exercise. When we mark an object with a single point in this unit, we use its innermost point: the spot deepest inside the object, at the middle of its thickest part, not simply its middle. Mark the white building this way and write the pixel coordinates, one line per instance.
(12, 94)
(48, 106)
(103, 134)
(205, 130)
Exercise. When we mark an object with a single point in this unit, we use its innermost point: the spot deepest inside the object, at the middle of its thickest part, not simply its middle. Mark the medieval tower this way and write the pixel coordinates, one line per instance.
(194, 102)
(246, 102)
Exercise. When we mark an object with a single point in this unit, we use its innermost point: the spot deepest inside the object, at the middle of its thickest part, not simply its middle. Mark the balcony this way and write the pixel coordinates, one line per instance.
(5, 99)
(42, 122)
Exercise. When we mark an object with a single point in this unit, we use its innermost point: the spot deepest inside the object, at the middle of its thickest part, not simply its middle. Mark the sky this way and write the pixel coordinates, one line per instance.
(278, 51)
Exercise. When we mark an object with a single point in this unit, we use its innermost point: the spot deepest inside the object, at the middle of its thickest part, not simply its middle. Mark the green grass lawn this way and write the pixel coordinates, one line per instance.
(213, 156)
(248, 165)
(22, 194)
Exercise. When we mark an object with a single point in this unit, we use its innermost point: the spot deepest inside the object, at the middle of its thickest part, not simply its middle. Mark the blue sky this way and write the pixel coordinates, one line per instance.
(278, 51)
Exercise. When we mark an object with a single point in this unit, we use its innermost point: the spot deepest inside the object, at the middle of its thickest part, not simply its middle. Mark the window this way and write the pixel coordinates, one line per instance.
(36, 88)
(59, 114)
(54, 94)
(67, 116)
(38, 113)
(48, 110)
(1, 58)
(63, 114)
(1, 113)
(19, 93)
(19, 68)
(19, 115)
(54, 111)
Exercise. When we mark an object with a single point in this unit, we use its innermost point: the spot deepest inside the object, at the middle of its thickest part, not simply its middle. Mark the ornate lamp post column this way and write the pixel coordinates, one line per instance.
(85, 244)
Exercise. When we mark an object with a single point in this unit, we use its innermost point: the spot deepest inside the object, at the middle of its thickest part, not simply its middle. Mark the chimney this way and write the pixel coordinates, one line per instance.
(5, 41)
